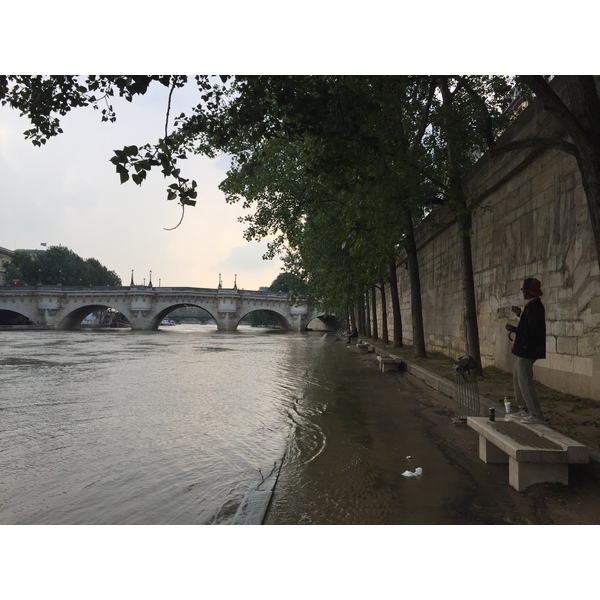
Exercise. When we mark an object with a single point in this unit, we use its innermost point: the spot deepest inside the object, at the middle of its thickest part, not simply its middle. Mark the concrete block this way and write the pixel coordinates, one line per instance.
(550, 345)
(561, 362)
(489, 453)
(589, 345)
(566, 345)
(439, 384)
(536, 453)
(562, 311)
(565, 328)
(521, 475)
(389, 364)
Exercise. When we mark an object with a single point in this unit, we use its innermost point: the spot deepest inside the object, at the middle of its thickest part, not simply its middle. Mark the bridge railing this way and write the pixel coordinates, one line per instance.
(140, 288)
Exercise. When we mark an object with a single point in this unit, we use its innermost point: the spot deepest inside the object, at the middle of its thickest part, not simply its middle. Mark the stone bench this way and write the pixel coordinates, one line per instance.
(534, 453)
(388, 363)
(362, 347)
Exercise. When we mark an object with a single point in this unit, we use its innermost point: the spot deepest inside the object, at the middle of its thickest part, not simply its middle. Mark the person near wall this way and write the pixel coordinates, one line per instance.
(529, 346)
(354, 335)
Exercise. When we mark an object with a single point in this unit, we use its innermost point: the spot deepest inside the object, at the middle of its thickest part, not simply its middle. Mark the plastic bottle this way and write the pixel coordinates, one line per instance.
(507, 417)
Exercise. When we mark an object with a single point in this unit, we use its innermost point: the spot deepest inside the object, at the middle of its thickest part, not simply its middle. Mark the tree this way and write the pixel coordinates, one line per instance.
(578, 112)
(44, 100)
(357, 135)
(288, 282)
(60, 266)
(467, 119)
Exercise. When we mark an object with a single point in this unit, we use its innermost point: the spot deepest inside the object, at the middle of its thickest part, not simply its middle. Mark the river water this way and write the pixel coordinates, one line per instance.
(185, 424)
(121, 427)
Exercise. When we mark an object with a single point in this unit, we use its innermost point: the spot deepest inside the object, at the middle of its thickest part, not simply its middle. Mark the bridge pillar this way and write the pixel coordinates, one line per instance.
(48, 306)
(298, 321)
(226, 321)
(227, 307)
(141, 322)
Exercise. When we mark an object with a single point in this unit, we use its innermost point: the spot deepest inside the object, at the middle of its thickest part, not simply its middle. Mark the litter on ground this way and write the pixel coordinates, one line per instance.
(417, 471)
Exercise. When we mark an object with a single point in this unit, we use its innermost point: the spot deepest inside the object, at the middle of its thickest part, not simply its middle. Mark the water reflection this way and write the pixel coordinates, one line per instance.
(168, 427)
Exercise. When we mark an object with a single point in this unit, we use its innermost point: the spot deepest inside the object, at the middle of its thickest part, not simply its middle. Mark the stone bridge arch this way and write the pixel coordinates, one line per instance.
(58, 307)
(166, 310)
(73, 320)
(280, 317)
(19, 317)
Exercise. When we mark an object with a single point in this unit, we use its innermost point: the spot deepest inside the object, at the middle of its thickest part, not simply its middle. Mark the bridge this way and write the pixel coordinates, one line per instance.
(58, 307)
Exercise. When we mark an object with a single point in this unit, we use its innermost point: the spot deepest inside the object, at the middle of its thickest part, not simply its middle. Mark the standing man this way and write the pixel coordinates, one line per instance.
(529, 346)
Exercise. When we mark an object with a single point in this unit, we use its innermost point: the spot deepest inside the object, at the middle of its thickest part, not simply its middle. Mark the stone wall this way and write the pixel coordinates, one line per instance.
(532, 221)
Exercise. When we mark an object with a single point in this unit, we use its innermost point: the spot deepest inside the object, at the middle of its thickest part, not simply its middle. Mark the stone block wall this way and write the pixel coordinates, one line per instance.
(532, 221)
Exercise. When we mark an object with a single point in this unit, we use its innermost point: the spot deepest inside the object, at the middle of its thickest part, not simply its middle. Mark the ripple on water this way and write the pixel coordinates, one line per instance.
(143, 428)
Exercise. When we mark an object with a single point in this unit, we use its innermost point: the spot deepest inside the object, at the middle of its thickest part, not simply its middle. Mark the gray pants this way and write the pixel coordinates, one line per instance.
(525, 394)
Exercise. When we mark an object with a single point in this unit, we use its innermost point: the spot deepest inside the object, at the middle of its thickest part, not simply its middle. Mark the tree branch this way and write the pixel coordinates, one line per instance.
(487, 119)
(180, 220)
(554, 105)
(426, 111)
(169, 107)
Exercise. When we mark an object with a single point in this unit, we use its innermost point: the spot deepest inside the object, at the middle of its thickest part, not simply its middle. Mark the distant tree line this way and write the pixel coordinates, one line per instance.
(57, 266)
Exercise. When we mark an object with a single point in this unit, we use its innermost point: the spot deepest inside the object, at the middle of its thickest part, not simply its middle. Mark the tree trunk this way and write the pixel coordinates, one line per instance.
(460, 209)
(397, 316)
(375, 332)
(589, 167)
(581, 120)
(415, 288)
(367, 315)
(384, 324)
(585, 105)
(361, 317)
(468, 288)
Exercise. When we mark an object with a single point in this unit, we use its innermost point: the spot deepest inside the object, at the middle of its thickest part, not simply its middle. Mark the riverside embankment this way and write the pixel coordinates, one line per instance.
(377, 426)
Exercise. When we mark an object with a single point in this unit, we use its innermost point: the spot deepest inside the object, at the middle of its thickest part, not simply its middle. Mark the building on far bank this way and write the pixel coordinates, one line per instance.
(5, 258)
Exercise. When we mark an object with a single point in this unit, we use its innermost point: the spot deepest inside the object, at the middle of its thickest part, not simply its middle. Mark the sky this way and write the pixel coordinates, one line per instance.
(67, 192)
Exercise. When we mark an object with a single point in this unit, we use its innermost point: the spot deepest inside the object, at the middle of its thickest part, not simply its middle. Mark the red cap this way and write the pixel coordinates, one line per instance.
(533, 287)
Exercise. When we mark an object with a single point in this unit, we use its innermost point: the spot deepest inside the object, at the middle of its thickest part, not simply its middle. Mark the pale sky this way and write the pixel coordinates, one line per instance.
(67, 192)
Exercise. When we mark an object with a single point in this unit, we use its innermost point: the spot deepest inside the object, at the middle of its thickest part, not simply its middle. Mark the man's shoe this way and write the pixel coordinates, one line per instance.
(531, 420)
(523, 413)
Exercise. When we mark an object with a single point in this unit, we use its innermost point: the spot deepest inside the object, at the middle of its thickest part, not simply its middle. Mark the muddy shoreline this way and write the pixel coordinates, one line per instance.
(358, 478)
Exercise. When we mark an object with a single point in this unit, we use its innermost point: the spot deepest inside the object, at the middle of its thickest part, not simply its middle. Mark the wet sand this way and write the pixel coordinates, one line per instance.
(359, 430)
